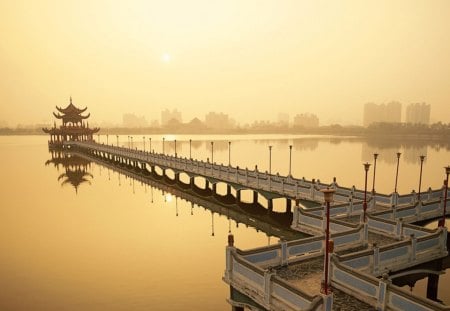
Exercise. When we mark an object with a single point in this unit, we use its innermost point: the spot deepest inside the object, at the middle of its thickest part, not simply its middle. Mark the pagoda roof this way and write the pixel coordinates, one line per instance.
(71, 109)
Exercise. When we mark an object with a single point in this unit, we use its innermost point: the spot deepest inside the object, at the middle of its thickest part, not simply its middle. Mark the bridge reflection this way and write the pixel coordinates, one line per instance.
(253, 214)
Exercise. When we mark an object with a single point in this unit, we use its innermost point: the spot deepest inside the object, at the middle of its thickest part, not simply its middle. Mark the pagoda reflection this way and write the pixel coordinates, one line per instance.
(76, 169)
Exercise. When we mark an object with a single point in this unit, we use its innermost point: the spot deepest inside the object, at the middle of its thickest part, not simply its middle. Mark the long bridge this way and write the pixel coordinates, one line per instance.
(356, 268)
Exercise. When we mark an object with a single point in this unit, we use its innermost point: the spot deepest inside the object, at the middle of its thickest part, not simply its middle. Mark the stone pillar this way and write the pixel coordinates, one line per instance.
(214, 188)
(270, 205)
(206, 184)
(228, 189)
(382, 292)
(376, 257)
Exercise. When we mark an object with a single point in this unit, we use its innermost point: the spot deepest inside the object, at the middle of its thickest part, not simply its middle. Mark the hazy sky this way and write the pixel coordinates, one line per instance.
(251, 59)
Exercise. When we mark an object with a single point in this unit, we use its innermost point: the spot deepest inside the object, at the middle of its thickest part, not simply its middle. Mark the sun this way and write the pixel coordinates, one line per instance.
(166, 57)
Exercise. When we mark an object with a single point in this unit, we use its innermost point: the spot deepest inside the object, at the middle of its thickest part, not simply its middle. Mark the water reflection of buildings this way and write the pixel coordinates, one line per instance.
(76, 169)
(410, 153)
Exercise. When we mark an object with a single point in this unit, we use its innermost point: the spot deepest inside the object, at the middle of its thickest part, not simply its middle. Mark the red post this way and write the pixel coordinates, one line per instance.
(366, 169)
(328, 197)
(447, 172)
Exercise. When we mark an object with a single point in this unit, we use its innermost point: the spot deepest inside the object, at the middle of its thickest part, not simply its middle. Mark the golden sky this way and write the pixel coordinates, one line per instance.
(251, 59)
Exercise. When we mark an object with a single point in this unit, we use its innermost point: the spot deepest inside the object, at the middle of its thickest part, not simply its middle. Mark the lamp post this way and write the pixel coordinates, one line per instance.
(396, 174)
(212, 152)
(107, 139)
(270, 167)
(143, 140)
(149, 144)
(129, 146)
(328, 197)
(131, 137)
(190, 149)
(290, 159)
(98, 138)
(117, 139)
(229, 153)
(375, 156)
(422, 158)
(447, 172)
(366, 169)
(163, 144)
(175, 148)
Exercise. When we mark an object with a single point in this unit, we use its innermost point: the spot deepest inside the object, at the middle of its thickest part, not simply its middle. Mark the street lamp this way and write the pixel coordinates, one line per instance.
(131, 142)
(107, 140)
(163, 144)
(375, 156)
(290, 159)
(229, 153)
(190, 149)
(143, 139)
(129, 146)
(396, 174)
(270, 167)
(422, 157)
(447, 172)
(98, 138)
(328, 197)
(117, 138)
(150, 144)
(212, 152)
(366, 169)
(175, 148)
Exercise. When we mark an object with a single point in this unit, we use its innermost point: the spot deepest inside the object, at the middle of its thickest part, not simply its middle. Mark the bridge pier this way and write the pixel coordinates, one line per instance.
(192, 182)
(177, 176)
(432, 286)
(288, 205)
(228, 189)
(206, 184)
(214, 188)
(270, 205)
(255, 197)
(238, 196)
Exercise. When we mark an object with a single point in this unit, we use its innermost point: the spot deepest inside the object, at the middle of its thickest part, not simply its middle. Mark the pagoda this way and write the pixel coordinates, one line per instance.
(73, 126)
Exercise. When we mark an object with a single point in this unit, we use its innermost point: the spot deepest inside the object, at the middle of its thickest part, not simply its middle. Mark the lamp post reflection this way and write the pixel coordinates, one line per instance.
(396, 174)
(375, 156)
(270, 167)
(422, 158)
(290, 160)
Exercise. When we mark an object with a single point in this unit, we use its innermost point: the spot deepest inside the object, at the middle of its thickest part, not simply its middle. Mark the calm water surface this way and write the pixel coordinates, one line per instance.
(106, 246)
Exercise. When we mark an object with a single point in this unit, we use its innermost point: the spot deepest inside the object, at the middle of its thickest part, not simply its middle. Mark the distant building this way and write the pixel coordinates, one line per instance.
(390, 113)
(131, 120)
(168, 115)
(220, 120)
(306, 120)
(418, 113)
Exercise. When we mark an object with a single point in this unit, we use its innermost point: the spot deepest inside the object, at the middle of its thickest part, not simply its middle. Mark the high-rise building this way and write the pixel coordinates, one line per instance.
(306, 120)
(390, 113)
(418, 113)
(219, 120)
(168, 115)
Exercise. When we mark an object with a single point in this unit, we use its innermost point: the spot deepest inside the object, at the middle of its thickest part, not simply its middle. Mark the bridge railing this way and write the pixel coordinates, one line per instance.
(379, 293)
(282, 184)
(399, 255)
(263, 286)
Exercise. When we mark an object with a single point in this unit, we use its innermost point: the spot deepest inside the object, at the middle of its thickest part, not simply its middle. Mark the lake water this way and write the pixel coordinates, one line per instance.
(114, 244)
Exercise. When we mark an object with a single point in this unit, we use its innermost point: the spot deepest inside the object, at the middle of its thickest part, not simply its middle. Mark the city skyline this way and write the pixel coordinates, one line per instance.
(325, 58)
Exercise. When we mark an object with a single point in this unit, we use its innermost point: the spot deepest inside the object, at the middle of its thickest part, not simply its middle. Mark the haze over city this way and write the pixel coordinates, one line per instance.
(325, 58)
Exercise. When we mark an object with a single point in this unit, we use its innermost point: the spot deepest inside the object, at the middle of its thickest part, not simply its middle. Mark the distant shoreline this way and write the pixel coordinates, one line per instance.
(359, 132)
